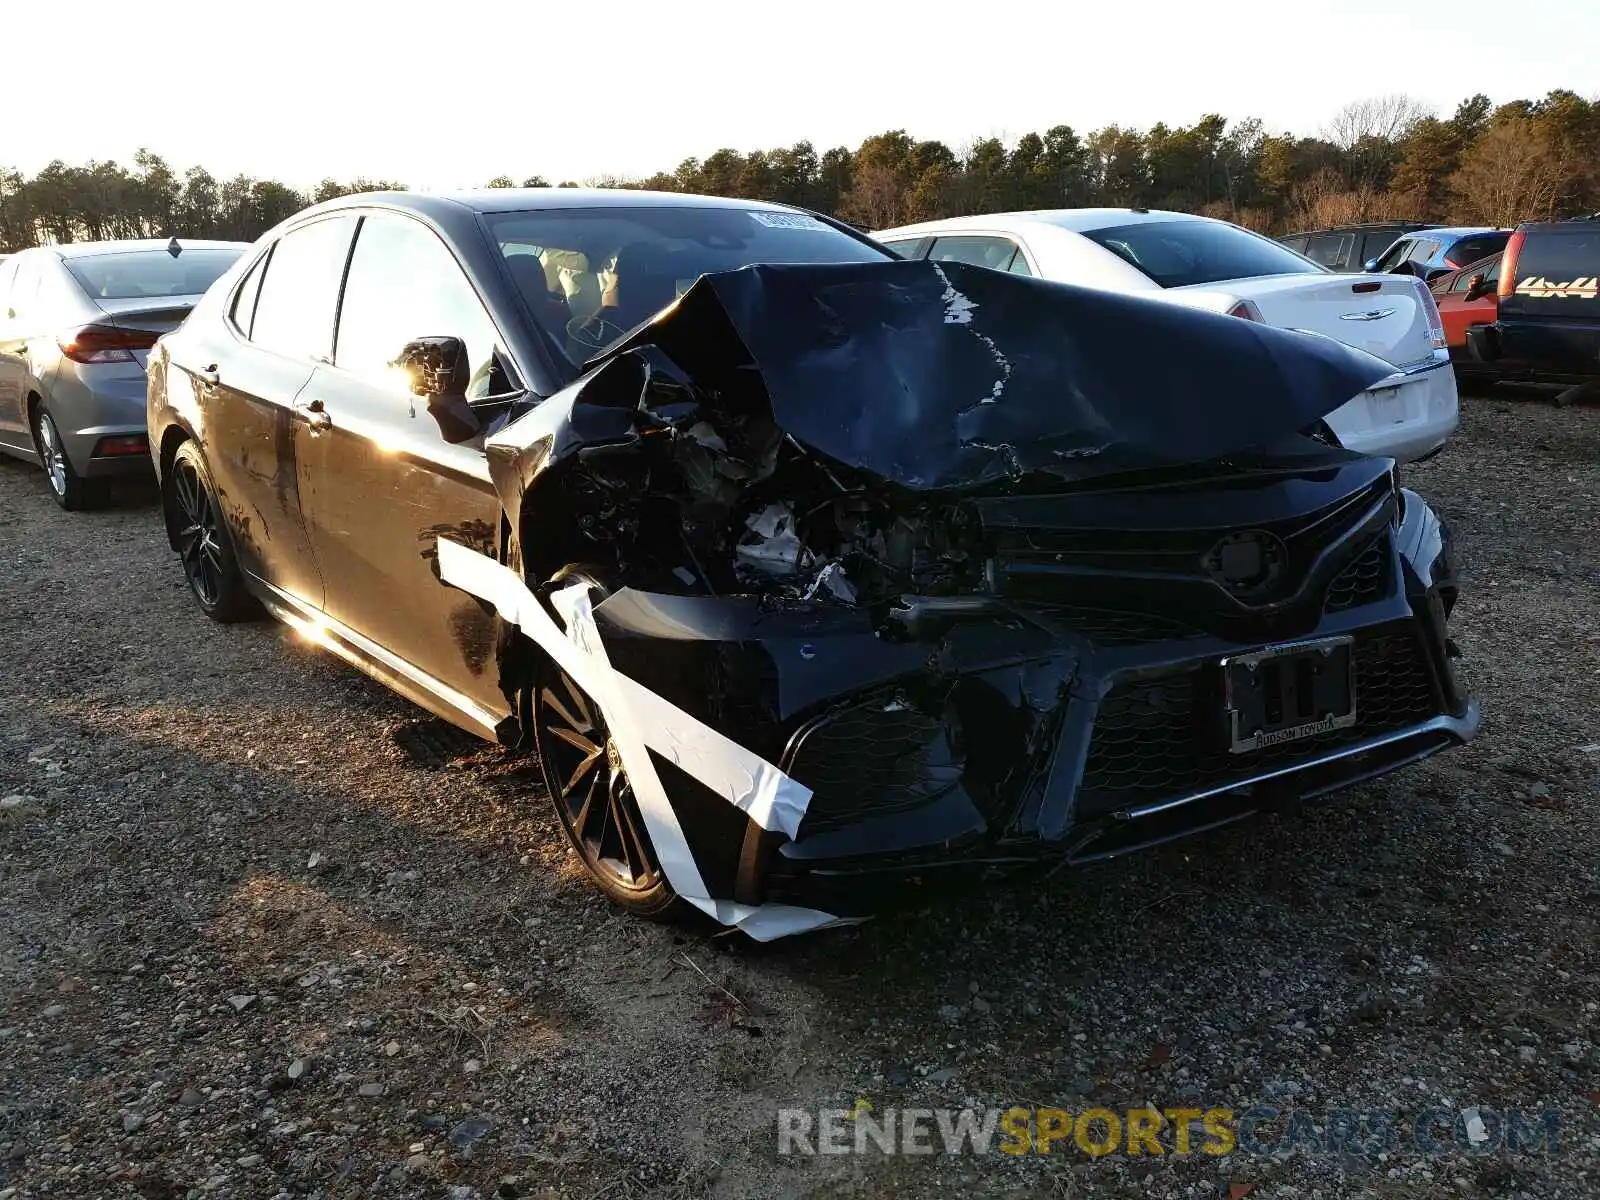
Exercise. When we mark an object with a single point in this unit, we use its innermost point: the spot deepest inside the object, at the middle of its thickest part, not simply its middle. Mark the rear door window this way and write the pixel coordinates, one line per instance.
(244, 300)
(22, 303)
(300, 290)
(405, 284)
(980, 250)
(1374, 244)
(1564, 254)
(1328, 249)
(1471, 249)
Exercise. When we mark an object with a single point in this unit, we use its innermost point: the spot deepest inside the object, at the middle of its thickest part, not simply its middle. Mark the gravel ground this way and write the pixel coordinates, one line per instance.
(265, 929)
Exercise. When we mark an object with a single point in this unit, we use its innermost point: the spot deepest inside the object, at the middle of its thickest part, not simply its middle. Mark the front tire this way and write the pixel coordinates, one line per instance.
(201, 535)
(67, 488)
(594, 802)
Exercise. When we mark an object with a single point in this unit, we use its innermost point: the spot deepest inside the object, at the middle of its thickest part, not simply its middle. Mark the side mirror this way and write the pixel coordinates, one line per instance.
(436, 371)
(1370, 266)
(433, 366)
(1477, 288)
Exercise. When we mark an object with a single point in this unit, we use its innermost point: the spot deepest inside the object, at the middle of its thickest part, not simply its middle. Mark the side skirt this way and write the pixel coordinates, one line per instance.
(372, 659)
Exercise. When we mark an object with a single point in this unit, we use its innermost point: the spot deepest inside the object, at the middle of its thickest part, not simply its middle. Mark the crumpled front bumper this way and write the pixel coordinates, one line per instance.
(1010, 738)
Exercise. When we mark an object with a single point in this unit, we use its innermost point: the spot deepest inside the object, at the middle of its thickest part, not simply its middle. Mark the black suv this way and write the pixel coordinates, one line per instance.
(1548, 329)
(1349, 247)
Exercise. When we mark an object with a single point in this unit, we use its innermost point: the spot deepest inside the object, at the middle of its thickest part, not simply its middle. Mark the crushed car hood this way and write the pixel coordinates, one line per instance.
(942, 375)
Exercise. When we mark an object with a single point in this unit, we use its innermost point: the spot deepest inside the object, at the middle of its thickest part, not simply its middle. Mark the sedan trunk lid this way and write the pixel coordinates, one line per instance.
(154, 315)
(1385, 315)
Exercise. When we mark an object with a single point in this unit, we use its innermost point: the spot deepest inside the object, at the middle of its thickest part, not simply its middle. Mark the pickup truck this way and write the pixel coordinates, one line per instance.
(1548, 324)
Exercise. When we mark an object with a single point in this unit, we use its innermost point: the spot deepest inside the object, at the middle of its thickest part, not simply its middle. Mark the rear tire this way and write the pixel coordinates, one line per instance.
(67, 488)
(201, 534)
(594, 802)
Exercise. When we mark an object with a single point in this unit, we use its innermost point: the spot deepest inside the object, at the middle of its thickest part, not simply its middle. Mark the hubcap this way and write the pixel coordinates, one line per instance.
(55, 458)
(581, 763)
(198, 535)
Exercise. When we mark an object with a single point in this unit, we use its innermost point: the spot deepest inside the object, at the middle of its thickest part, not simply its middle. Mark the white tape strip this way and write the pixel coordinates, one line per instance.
(640, 721)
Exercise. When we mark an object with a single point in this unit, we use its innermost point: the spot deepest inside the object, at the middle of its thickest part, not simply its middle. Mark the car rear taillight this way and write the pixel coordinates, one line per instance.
(105, 343)
(1508, 264)
(1247, 310)
(121, 446)
(1430, 309)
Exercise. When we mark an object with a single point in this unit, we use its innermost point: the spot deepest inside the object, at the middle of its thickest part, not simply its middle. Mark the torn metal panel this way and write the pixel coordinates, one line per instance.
(941, 375)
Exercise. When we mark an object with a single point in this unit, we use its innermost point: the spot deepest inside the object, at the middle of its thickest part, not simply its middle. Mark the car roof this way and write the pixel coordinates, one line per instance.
(500, 200)
(1078, 220)
(1368, 227)
(131, 245)
(1462, 231)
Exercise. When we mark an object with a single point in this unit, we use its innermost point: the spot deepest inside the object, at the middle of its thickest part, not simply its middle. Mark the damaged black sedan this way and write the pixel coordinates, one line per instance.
(808, 573)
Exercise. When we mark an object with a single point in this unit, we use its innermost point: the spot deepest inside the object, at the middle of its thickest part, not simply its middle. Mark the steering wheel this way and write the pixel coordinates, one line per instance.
(594, 332)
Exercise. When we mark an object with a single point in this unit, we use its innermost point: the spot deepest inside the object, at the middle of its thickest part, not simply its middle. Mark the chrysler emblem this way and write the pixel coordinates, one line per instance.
(1372, 314)
(1246, 563)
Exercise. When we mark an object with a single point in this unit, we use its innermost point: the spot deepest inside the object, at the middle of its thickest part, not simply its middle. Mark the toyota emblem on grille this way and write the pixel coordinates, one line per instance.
(1246, 563)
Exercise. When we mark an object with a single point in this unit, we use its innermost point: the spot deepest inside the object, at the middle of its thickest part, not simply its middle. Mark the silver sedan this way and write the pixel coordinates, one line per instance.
(76, 323)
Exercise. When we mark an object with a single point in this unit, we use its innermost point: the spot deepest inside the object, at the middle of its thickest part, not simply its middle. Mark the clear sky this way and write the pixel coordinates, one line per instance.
(452, 92)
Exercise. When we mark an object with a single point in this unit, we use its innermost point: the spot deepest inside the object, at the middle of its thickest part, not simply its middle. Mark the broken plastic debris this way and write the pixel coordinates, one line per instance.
(685, 576)
(1477, 1134)
(837, 584)
(775, 549)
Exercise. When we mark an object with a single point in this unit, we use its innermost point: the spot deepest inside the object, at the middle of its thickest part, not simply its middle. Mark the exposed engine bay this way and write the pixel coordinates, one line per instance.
(705, 464)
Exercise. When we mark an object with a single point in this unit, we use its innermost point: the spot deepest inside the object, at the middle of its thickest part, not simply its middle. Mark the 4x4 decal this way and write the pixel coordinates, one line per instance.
(1540, 288)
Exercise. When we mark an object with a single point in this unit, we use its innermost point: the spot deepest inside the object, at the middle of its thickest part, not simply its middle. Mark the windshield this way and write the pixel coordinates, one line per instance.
(132, 274)
(1181, 253)
(590, 275)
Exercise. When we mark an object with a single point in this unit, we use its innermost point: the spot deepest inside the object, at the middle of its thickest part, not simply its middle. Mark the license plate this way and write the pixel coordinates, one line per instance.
(1284, 693)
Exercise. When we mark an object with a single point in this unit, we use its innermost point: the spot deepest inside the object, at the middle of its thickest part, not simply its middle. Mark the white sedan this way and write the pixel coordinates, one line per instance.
(1210, 264)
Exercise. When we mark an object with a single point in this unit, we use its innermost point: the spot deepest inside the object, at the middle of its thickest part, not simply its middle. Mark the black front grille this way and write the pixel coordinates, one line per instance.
(1163, 737)
(1364, 581)
(871, 760)
(1112, 627)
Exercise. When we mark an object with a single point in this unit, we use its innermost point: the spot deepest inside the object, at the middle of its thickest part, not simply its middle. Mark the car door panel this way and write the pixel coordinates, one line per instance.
(248, 392)
(379, 482)
(379, 486)
(15, 274)
(1458, 313)
(248, 435)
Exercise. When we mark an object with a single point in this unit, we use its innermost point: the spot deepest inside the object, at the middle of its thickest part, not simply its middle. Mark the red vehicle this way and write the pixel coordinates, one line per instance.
(1466, 297)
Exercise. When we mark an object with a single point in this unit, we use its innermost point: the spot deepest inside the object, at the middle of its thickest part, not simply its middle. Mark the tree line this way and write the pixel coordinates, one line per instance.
(1384, 158)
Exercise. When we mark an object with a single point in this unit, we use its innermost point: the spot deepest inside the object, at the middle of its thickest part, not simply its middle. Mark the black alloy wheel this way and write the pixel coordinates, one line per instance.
(594, 801)
(201, 537)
